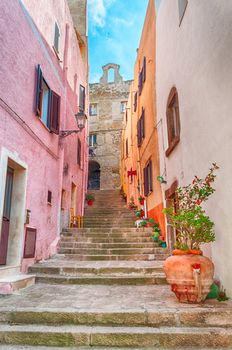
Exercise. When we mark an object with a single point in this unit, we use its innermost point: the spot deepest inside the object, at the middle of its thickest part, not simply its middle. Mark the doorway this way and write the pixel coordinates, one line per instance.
(73, 197)
(6, 216)
(94, 176)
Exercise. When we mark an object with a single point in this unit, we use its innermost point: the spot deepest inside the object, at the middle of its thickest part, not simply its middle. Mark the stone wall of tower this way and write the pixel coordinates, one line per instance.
(107, 125)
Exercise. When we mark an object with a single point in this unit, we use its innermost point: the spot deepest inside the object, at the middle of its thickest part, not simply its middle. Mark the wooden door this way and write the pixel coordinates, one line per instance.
(6, 216)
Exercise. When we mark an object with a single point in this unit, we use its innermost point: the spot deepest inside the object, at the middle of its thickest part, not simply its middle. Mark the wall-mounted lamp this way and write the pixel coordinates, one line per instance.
(81, 118)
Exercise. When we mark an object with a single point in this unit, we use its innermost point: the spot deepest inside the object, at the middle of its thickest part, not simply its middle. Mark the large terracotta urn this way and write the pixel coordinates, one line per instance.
(190, 276)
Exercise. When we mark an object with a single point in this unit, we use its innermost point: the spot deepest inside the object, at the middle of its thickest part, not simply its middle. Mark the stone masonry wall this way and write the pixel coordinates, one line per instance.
(107, 125)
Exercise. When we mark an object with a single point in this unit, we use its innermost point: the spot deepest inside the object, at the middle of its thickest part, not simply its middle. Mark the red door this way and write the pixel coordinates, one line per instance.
(6, 216)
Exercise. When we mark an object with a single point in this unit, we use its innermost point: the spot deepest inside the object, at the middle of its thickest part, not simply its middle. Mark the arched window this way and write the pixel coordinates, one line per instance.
(173, 120)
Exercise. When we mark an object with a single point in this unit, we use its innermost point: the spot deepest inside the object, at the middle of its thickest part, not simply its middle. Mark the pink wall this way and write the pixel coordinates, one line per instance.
(22, 49)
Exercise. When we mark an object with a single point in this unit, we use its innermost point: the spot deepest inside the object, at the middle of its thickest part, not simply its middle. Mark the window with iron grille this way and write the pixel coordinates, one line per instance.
(92, 140)
(79, 152)
(173, 120)
(141, 128)
(47, 103)
(82, 98)
(147, 178)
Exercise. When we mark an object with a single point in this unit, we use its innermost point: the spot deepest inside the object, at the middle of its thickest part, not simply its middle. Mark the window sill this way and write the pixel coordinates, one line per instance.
(171, 147)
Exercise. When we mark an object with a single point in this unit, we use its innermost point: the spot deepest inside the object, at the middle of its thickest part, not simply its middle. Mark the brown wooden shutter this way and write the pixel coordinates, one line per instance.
(138, 133)
(140, 82)
(142, 124)
(135, 101)
(82, 98)
(144, 69)
(39, 92)
(150, 177)
(54, 112)
(79, 152)
(145, 177)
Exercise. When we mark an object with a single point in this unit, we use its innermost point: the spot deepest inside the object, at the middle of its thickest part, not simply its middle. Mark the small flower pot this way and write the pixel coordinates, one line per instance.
(141, 201)
(90, 203)
(142, 213)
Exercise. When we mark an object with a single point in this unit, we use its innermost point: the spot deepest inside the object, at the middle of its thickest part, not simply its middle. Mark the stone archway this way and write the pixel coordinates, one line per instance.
(94, 175)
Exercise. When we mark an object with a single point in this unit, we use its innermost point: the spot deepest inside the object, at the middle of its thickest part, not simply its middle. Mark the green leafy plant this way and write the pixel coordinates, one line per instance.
(193, 226)
(89, 197)
(143, 223)
(156, 232)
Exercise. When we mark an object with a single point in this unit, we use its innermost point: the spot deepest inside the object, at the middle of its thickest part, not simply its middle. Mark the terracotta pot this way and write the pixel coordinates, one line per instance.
(190, 277)
(142, 213)
(141, 201)
(90, 203)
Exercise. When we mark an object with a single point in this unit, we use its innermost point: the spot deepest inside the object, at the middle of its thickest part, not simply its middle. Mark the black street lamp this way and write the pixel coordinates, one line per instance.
(81, 118)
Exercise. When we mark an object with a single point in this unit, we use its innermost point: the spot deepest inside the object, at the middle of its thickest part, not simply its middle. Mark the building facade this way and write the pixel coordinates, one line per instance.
(194, 87)
(108, 100)
(140, 153)
(44, 77)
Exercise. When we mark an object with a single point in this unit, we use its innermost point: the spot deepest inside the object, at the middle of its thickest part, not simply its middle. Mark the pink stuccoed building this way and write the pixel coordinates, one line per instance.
(43, 85)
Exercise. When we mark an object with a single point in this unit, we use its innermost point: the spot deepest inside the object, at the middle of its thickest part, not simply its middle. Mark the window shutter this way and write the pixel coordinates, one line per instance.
(82, 98)
(56, 38)
(144, 69)
(140, 82)
(145, 177)
(79, 152)
(150, 177)
(142, 125)
(39, 92)
(138, 133)
(55, 113)
(135, 101)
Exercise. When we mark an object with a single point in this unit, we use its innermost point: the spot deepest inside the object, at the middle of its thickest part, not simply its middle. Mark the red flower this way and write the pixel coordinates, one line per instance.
(199, 201)
(196, 266)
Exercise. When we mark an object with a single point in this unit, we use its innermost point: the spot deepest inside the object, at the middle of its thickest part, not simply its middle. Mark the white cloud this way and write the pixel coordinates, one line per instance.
(97, 10)
(124, 22)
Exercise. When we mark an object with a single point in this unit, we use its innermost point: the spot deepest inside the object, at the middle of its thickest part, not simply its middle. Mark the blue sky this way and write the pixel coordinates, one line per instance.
(115, 28)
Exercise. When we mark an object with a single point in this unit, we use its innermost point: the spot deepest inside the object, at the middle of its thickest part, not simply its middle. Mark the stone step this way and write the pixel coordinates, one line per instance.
(135, 257)
(66, 270)
(117, 251)
(99, 225)
(158, 278)
(113, 240)
(109, 230)
(13, 283)
(25, 347)
(84, 245)
(162, 317)
(115, 336)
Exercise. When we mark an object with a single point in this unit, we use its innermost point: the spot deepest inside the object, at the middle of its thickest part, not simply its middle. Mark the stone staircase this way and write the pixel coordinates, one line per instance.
(106, 290)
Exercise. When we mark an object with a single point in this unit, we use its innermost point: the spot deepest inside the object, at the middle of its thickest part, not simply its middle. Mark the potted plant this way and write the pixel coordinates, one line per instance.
(156, 232)
(89, 199)
(139, 213)
(189, 273)
(141, 200)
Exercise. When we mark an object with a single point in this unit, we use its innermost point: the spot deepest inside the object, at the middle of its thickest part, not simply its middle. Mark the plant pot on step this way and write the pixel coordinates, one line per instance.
(90, 203)
(190, 276)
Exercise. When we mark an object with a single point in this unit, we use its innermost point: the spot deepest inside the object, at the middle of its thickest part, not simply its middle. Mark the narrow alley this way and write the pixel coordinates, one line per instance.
(115, 194)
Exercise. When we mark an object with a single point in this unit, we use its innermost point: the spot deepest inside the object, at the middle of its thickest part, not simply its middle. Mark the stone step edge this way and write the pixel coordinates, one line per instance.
(115, 336)
(191, 318)
(117, 271)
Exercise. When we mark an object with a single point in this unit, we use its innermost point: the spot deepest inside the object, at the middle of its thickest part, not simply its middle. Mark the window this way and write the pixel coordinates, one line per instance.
(47, 104)
(135, 101)
(49, 198)
(92, 140)
(182, 7)
(56, 38)
(79, 152)
(127, 150)
(123, 106)
(141, 128)
(93, 109)
(82, 98)
(147, 178)
(173, 120)
(142, 76)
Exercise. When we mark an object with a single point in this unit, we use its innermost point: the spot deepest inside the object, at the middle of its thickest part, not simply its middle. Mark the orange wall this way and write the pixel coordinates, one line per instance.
(139, 156)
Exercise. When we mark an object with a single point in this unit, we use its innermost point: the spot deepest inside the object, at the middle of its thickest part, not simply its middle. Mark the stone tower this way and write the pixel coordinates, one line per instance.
(108, 100)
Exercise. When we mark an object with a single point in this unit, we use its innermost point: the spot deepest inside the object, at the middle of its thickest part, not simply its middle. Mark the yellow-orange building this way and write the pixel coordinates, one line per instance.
(140, 156)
